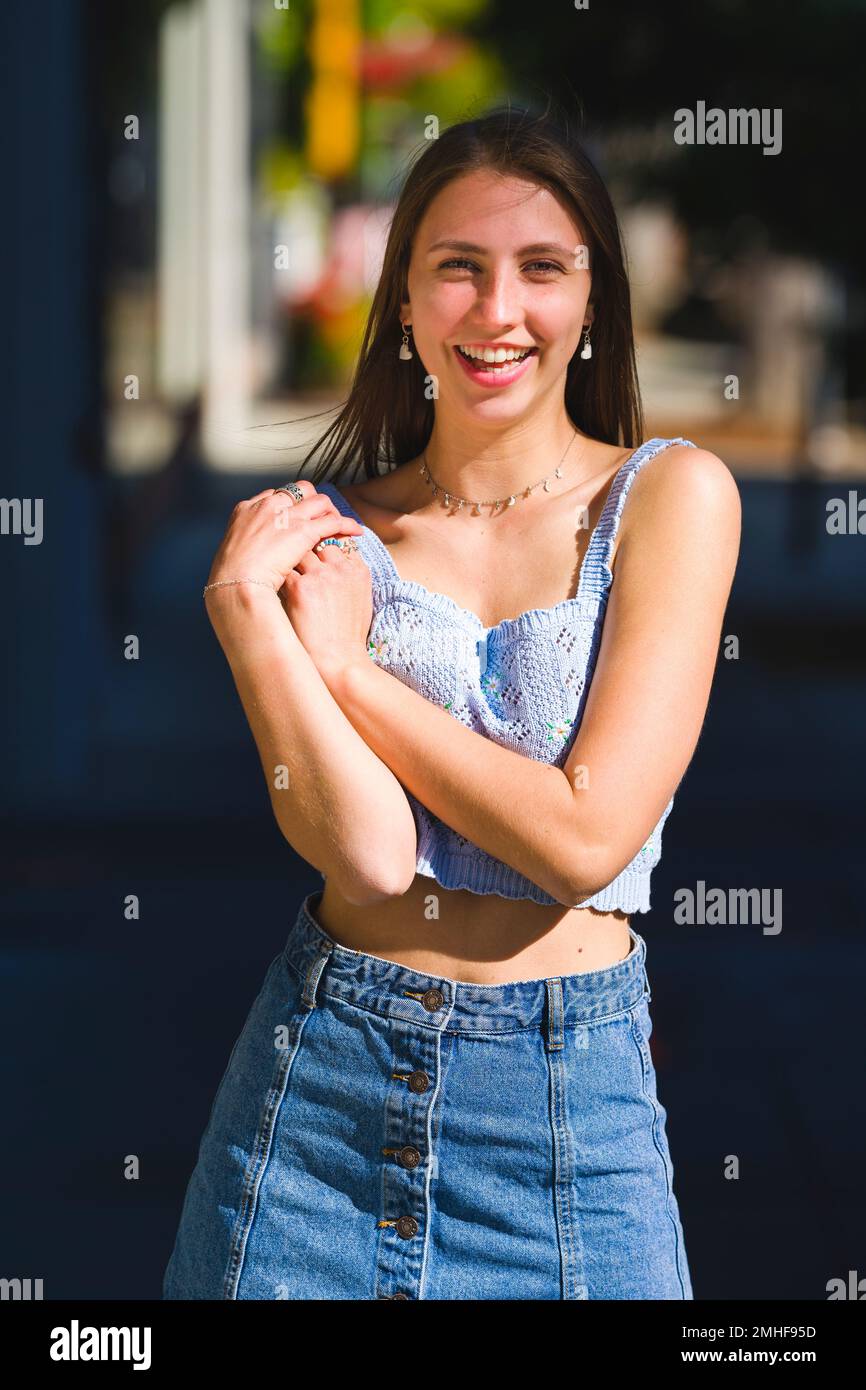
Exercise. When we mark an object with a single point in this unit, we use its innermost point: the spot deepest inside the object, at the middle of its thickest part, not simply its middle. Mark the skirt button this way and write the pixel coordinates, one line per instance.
(432, 999)
(409, 1157)
(418, 1082)
(407, 1227)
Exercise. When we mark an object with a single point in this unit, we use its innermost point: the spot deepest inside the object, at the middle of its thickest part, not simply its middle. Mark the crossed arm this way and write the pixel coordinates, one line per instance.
(572, 830)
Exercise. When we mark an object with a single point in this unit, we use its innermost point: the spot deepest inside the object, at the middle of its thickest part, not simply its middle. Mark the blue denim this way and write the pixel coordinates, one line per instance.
(384, 1133)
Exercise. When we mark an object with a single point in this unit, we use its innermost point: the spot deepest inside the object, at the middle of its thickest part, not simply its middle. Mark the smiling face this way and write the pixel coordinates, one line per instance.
(498, 269)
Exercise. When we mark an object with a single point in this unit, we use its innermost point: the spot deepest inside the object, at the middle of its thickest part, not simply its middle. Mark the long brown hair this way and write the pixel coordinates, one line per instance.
(387, 416)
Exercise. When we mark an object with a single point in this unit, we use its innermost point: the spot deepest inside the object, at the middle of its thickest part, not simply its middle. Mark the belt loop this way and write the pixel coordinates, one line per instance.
(308, 997)
(554, 1039)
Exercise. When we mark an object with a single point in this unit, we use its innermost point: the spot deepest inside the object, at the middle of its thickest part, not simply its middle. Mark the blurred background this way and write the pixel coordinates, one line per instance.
(197, 195)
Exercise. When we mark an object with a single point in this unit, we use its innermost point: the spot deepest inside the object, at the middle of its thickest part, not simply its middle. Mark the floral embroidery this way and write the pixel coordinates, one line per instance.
(560, 729)
(378, 649)
(490, 682)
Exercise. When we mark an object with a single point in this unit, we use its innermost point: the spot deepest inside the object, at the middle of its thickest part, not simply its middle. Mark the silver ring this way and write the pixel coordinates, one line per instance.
(293, 490)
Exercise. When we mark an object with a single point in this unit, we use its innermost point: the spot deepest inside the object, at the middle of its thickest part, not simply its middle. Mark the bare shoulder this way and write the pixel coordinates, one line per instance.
(682, 468)
(387, 492)
(683, 489)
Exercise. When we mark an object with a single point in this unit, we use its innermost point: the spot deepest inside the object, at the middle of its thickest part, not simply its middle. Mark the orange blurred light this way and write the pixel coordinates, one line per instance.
(333, 102)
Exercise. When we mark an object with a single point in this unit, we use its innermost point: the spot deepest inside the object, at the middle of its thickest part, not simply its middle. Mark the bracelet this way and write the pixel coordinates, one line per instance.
(221, 583)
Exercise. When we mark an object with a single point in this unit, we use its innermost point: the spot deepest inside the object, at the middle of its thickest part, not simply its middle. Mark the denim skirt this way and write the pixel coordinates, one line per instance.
(384, 1133)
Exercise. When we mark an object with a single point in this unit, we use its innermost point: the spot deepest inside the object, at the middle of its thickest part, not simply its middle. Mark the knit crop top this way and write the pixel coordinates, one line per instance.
(522, 683)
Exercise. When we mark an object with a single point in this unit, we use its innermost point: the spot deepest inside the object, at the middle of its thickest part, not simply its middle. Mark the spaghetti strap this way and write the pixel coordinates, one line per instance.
(342, 503)
(374, 551)
(596, 575)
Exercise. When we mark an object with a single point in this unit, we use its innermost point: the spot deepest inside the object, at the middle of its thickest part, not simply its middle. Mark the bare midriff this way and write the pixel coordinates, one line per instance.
(478, 938)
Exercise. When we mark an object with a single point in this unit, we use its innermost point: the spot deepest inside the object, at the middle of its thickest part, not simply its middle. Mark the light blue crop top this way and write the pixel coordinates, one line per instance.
(522, 683)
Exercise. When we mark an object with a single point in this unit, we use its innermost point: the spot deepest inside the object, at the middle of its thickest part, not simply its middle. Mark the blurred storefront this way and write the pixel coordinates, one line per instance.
(279, 133)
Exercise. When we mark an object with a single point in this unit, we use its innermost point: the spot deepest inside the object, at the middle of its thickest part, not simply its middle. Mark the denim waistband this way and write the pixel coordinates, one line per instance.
(456, 1006)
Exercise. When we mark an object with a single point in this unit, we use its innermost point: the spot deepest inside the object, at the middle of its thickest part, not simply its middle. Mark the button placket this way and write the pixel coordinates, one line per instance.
(407, 1157)
(406, 1153)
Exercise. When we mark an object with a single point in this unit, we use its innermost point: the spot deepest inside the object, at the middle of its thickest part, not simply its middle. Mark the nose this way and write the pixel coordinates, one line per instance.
(498, 300)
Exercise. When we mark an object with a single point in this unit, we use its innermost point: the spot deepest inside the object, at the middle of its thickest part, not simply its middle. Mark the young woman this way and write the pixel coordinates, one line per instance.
(475, 681)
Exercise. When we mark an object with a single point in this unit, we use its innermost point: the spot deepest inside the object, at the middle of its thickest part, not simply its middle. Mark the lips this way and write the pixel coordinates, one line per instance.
(492, 374)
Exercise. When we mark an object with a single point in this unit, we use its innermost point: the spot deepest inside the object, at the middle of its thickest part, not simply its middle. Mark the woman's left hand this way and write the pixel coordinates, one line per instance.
(328, 598)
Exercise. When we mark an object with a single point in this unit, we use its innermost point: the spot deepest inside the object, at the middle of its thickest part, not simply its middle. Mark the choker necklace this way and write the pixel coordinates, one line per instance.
(493, 502)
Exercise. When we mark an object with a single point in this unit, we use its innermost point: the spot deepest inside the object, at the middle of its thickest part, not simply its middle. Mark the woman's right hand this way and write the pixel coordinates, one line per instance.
(268, 535)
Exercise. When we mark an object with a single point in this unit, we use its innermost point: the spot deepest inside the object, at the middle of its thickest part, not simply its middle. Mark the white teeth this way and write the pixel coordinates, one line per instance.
(495, 355)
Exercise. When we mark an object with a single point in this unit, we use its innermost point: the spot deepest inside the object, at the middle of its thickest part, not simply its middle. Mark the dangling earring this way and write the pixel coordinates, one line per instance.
(587, 349)
(406, 353)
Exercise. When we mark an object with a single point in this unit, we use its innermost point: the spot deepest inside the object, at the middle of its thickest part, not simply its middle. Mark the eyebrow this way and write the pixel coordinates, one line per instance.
(535, 249)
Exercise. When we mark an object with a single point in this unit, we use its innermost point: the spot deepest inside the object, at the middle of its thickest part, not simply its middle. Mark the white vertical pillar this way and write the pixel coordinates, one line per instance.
(225, 249)
(181, 338)
(204, 202)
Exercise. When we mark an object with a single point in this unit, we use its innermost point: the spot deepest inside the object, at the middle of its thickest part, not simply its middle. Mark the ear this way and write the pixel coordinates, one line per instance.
(589, 316)
(406, 312)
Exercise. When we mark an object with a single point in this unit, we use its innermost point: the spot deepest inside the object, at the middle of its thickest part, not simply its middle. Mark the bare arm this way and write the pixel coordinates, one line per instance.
(648, 698)
(515, 808)
(334, 800)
